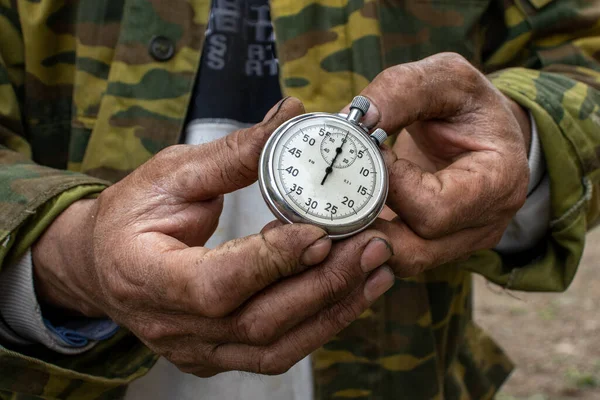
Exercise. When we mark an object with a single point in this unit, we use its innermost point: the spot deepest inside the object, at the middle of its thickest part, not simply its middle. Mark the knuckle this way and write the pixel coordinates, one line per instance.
(186, 369)
(203, 372)
(333, 283)
(152, 331)
(518, 199)
(181, 360)
(202, 360)
(210, 297)
(165, 158)
(239, 165)
(188, 364)
(491, 240)
(417, 261)
(257, 328)
(215, 293)
(389, 74)
(272, 363)
(453, 58)
(417, 74)
(274, 260)
(458, 63)
(462, 71)
(431, 226)
(343, 315)
(170, 152)
(202, 174)
(212, 302)
(121, 294)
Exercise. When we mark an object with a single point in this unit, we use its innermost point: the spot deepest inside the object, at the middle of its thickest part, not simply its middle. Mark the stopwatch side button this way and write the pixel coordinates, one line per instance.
(358, 108)
(379, 136)
(362, 103)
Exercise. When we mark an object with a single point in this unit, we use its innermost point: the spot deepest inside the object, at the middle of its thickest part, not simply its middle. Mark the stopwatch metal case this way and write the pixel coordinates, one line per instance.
(279, 206)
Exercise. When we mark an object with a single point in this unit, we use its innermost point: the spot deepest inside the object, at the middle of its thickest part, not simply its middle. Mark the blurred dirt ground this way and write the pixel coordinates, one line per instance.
(554, 339)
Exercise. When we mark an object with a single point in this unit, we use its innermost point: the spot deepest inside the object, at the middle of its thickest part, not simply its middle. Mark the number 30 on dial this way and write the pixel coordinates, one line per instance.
(326, 170)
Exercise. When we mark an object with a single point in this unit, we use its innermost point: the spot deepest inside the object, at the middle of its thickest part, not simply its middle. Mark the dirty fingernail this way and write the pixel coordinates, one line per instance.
(372, 118)
(273, 111)
(377, 252)
(317, 252)
(378, 283)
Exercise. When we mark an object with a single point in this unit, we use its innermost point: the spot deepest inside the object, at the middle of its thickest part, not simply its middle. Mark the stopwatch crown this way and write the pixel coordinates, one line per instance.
(361, 103)
(379, 136)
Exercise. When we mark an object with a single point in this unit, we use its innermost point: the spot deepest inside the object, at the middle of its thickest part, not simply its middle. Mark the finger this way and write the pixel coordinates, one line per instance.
(439, 86)
(306, 338)
(279, 308)
(271, 225)
(202, 172)
(413, 254)
(464, 195)
(216, 282)
(265, 318)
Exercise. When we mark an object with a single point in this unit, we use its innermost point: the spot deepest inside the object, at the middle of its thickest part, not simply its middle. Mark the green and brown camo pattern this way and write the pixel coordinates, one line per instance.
(81, 96)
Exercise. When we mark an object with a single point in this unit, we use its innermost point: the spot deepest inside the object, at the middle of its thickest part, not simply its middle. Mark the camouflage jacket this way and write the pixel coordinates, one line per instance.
(87, 94)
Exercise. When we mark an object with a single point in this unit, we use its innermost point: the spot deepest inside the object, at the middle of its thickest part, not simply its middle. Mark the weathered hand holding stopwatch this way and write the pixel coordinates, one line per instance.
(326, 170)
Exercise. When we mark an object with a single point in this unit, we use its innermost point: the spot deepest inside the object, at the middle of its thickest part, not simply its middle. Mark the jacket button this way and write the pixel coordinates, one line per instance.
(161, 48)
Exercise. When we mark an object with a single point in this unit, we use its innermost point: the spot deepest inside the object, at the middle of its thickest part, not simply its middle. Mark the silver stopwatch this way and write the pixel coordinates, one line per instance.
(326, 170)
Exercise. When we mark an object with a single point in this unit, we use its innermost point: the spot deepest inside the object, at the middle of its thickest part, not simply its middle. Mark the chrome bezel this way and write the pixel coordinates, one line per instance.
(276, 200)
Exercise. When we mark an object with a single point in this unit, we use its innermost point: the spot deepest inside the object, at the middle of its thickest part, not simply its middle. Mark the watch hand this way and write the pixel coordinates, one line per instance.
(329, 169)
(338, 151)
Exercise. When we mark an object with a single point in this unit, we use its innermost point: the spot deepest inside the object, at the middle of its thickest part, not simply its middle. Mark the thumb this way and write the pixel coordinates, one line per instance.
(437, 87)
(230, 163)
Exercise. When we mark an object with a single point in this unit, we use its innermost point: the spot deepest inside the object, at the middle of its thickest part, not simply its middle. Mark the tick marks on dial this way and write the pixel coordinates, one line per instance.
(339, 149)
(344, 177)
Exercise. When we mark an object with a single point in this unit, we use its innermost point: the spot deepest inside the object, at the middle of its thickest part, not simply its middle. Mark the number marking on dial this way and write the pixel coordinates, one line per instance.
(302, 164)
(332, 142)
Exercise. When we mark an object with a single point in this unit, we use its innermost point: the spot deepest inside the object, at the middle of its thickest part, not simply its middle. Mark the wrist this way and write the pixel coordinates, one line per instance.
(522, 116)
(62, 258)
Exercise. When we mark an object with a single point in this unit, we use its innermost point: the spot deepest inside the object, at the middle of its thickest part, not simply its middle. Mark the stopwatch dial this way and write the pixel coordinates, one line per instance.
(335, 187)
(329, 148)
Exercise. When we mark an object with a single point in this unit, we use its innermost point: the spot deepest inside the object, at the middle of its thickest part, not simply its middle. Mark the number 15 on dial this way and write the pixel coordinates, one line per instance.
(326, 170)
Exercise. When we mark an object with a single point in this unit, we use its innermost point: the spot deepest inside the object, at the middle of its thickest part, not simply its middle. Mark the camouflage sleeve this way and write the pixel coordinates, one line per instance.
(31, 196)
(25, 186)
(549, 63)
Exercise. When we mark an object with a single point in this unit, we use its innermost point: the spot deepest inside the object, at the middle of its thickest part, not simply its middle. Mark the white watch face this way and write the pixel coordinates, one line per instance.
(328, 171)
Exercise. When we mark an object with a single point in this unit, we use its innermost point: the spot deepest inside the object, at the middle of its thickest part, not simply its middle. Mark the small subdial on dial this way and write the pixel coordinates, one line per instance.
(330, 147)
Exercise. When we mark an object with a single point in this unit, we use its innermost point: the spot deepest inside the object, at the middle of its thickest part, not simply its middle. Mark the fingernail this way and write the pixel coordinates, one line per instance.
(273, 111)
(379, 282)
(372, 118)
(317, 252)
(377, 252)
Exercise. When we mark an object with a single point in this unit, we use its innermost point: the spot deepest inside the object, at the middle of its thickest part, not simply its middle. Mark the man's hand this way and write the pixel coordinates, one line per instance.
(459, 172)
(251, 304)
